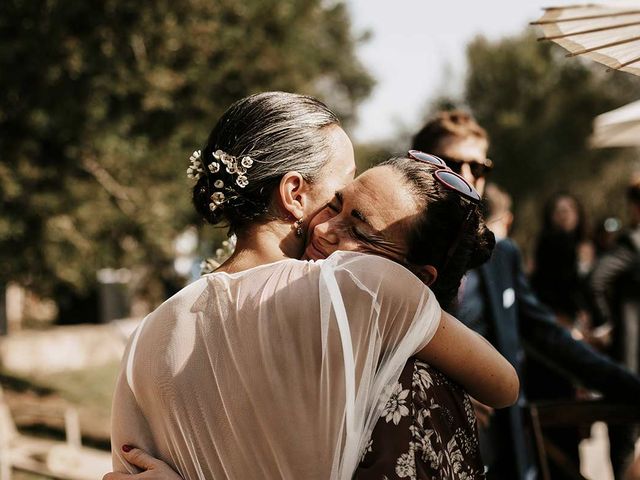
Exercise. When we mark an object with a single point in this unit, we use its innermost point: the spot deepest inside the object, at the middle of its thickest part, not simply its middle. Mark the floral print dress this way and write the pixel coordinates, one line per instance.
(427, 431)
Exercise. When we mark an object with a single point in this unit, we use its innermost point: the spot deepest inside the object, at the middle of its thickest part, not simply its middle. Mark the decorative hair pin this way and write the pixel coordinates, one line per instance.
(196, 168)
(233, 167)
(217, 199)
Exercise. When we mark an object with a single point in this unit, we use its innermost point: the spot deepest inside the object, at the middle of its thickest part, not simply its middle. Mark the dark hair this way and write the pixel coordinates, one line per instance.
(440, 224)
(581, 231)
(280, 132)
(448, 123)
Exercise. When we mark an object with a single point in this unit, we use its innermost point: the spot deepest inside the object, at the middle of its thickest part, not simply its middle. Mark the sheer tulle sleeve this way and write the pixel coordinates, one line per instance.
(128, 426)
(280, 371)
(385, 315)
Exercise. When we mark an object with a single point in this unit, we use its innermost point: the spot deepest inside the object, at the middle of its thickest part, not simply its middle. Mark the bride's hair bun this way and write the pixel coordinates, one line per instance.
(277, 132)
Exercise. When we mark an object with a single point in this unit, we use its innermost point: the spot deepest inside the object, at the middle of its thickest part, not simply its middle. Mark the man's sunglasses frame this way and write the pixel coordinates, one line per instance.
(478, 169)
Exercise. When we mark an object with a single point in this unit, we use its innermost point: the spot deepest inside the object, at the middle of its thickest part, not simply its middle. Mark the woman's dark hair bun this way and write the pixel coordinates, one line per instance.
(484, 245)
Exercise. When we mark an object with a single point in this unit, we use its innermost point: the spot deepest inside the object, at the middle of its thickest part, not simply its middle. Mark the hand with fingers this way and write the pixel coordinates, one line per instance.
(154, 469)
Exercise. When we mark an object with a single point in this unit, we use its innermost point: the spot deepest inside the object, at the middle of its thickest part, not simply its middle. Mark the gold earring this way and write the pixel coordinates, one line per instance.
(298, 226)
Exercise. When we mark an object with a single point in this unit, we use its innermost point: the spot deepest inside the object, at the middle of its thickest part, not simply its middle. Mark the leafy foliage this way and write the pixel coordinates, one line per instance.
(102, 103)
(538, 108)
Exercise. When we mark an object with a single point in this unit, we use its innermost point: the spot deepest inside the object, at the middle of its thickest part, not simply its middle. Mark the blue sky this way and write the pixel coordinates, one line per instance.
(418, 50)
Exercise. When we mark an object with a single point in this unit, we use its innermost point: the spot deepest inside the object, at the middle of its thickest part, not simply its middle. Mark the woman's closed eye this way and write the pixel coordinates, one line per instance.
(333, 206)
(359, 236)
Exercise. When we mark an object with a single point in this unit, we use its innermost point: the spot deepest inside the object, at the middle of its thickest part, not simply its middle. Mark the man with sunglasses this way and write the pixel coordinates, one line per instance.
(497, 301)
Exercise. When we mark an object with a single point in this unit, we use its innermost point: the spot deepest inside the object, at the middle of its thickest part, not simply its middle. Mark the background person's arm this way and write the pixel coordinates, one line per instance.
(470, 360)
(554, 346)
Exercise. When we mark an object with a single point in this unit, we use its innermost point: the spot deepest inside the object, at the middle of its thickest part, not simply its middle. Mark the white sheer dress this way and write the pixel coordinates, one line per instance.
(280, 371)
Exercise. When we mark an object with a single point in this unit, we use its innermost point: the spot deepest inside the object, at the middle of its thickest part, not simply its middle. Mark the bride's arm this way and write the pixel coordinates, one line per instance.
(128, 423)
(470, 360)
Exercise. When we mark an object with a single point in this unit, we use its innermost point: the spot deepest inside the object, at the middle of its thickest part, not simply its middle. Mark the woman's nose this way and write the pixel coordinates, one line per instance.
(326, 232)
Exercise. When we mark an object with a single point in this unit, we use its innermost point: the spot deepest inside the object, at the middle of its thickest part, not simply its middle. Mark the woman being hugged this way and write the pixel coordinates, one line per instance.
(279, 368)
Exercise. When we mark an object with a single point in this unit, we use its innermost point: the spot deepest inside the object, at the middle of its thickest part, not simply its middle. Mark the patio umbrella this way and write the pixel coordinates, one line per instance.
(617, 128)
(607, 33)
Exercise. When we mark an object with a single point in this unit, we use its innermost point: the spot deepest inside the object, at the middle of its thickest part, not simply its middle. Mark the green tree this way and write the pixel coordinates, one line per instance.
(538, 107)
(102, 103)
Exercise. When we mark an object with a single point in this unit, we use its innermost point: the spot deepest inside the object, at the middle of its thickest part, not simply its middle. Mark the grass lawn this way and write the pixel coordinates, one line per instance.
(87, 389)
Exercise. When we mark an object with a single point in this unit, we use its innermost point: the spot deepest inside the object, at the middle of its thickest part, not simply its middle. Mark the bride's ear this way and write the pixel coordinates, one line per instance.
(293, 193)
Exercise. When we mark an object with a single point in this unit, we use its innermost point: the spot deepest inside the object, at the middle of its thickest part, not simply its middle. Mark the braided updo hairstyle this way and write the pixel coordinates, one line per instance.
(280, 132)
(435, 231)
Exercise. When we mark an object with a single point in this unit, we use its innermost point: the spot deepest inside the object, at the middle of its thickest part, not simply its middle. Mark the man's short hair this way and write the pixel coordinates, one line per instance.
(633, 191)
(447, 123)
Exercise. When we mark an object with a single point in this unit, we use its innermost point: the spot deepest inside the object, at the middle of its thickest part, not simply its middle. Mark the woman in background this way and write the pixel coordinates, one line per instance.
(563, 258)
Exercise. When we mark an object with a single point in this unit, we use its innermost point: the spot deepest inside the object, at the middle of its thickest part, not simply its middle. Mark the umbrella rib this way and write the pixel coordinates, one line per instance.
(593, 30)
(625, 64)
(588, 17)
(624, 127)
(571, 7)
(606, 45)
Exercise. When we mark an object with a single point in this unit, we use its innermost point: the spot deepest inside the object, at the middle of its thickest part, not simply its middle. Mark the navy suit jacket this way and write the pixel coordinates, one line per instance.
(521, 323)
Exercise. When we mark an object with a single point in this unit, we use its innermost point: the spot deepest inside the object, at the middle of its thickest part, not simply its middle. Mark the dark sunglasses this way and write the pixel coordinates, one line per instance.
(478, 169)
(455, 182)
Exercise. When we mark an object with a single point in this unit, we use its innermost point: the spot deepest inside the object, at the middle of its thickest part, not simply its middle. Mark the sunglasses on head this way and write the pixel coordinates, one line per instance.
(478, 169)
(453, 181)
(446, 176)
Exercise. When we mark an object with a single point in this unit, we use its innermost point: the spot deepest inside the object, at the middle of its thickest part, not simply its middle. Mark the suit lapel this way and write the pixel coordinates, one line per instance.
(498, 280)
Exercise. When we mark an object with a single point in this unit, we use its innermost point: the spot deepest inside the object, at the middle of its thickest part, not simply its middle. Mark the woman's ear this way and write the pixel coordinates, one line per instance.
(428, 274)
(293, 194)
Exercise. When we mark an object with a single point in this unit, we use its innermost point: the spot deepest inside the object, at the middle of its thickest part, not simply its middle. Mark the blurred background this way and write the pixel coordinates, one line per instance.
(101, 104)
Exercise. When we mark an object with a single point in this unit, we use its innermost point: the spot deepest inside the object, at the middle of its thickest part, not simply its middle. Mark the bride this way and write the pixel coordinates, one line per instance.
(279, 368)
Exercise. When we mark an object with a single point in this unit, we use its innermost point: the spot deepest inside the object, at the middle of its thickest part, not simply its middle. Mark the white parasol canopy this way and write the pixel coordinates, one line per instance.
(617, 128)
(606, 33)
